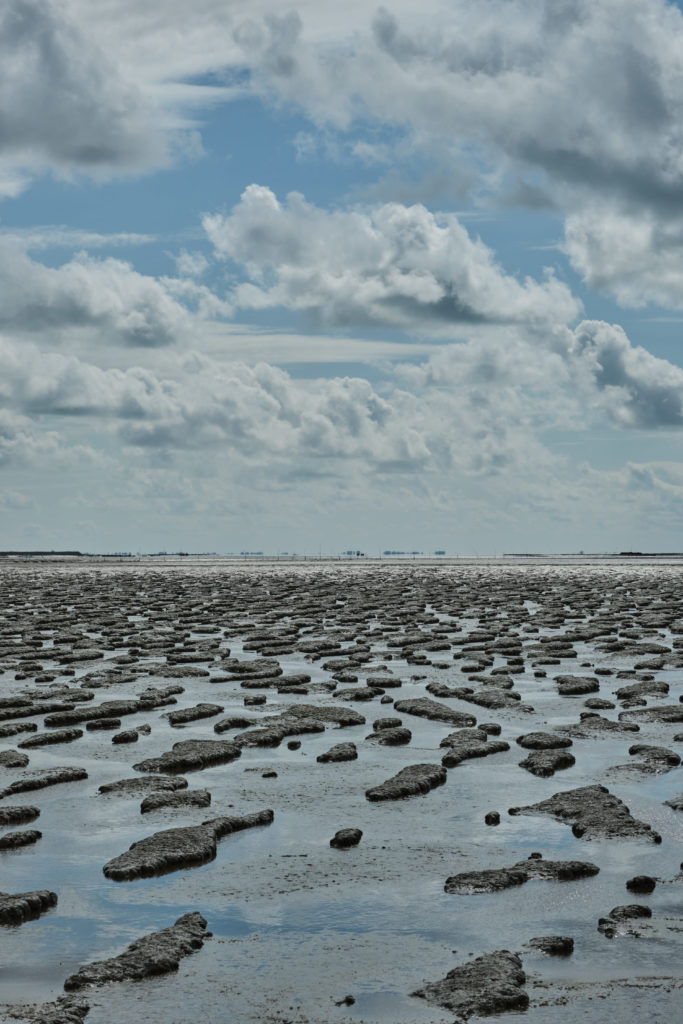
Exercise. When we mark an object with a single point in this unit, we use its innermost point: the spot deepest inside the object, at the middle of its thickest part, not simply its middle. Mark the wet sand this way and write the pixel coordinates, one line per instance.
(455, 664)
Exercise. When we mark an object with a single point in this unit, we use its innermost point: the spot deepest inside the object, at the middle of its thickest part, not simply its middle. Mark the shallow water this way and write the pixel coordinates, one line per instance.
(297, 925)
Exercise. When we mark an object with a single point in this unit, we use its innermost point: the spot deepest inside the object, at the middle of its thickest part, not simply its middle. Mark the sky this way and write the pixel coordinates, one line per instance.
(340, 276)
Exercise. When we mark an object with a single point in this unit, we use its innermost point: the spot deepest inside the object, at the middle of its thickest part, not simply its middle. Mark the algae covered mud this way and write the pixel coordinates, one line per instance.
(340, 792)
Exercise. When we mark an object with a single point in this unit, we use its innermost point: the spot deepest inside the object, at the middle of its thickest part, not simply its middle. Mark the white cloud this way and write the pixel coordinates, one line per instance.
(586, 91)
(106, 295)
(636, 255)
(392, 265)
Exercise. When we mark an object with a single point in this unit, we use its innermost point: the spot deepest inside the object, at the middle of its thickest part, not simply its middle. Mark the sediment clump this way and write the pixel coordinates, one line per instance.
(423, 707)
(496, 879)
(158, 953)
(545, 763)
(15, 840)
(40, 778)
(191, 755)
(345, 838)
(45, 739)
(177, 848)
(492, 983)
(468, 743)
(133, 787)
(595, 812)
(182, 798)
(411, 781)
(19, 815)
(15, 908)
(339, 752)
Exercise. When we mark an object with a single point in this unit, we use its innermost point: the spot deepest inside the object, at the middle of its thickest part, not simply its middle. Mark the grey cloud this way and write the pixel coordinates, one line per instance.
(586, 92)
(124, 306)
(63, 103)
(390, 265)
(638, 389)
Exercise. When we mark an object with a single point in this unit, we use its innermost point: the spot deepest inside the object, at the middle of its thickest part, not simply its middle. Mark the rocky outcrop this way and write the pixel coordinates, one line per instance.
(492, 983)
(182, 798)
(495, 879)
(158, 953)
(423, 707)
(345, 838)
(25, 906)
(411, 781)
(40, 778)
(177, 848)
(545, 763)
(191, 755)
(339, 752)
(595, 813)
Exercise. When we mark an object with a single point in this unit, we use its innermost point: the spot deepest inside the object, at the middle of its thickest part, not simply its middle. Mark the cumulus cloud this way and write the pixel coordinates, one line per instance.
(108, 295)
(585, 91)
(637, 389)
(635, 255)
(63, 102)
(392, 265)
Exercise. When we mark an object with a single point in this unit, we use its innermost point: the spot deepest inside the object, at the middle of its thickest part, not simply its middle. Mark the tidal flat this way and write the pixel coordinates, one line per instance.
(322, 793)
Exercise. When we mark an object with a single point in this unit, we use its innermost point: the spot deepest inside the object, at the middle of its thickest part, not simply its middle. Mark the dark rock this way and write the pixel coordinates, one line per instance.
(468, 743)
(423, 707)
(665, 713)
(595, 726)
(137, 786)
(545, 763)
(19, 815)
(45, 739)
(127, 736)
(410, 781)
(13, 759)
(553, 945)
(40, 778)
(489, 984)
(596, 813)
(339, 752)
(676, 802)
(391, 737)
(109, 709)
(25, 906)
(641, 884)
(543, 741)
(490, 728)
(270, 774)
(178, 848)
(13, 840)
(253, 700)
(492, 818)
(182, 798)
(345, 838)
(191, 755)
(158, 953)
(647, 688)
(658, 755)
(496, 879)
(193, 714)
(570, 686)
(103, 725)
(64, 1010)
(620, 920)
(233, 722)
(272, 735)
(329, 714)
(294, 745)
(13, 728)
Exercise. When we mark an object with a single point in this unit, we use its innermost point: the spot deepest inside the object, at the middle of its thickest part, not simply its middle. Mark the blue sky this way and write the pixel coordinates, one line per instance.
(302, 278)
